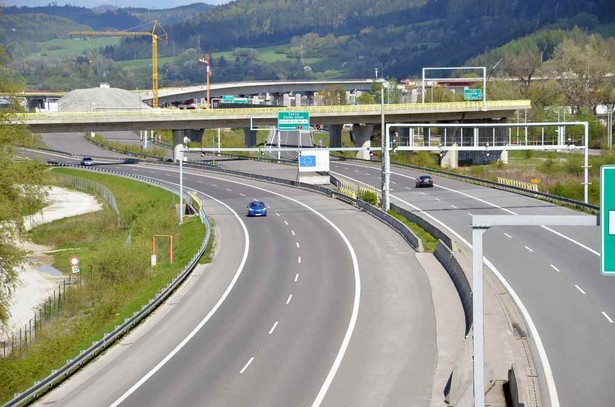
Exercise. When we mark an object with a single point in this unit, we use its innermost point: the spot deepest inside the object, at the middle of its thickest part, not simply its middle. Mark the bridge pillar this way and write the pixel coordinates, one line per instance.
(404, 136)
(335, 135)
(183, 135)
(361, 137)
(249, 137)
(450, 158)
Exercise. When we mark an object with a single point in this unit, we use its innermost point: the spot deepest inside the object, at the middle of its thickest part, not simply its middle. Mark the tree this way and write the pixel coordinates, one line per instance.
(582, 70)
(523, 66)
(21, 190)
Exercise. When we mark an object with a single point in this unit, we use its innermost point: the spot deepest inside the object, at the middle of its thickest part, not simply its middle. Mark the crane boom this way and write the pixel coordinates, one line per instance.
(151, 34)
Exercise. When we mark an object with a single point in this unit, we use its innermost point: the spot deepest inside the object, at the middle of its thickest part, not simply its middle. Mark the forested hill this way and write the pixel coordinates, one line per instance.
(399, 35)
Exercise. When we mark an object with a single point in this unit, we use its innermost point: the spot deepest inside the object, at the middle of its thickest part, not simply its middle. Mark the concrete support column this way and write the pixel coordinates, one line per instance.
(335, 135)
(404, 136)
(250, 137)
(361, 136)
(450, 158)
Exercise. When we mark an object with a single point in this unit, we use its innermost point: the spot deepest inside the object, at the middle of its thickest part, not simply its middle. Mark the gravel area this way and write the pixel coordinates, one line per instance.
(97, 99)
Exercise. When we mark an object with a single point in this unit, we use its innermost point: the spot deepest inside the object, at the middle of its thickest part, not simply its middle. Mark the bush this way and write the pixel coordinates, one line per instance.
(369, 196)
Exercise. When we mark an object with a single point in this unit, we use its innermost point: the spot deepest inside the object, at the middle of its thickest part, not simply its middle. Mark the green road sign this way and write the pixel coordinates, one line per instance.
(607, 219)
(233, 99)
(293, 121)
(472, 94)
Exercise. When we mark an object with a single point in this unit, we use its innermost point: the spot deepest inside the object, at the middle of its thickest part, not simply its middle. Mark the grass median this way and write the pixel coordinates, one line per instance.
(116, 276)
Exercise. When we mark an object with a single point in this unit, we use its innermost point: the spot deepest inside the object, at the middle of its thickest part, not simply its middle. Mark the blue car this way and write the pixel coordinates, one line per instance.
(257, 208)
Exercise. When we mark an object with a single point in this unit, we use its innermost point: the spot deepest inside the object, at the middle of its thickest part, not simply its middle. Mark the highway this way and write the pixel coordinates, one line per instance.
(554, 271)
(296, 309)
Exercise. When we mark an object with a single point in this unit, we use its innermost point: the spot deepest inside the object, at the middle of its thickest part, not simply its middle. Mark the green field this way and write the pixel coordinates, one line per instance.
(67, 47)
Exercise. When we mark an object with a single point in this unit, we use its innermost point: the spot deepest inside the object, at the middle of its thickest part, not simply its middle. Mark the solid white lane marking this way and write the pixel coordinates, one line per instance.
(297, 245)
(246, 365)
(357, 287)
(508, 236)
(296, 277)
(453, 206)
(554, 268)
(277, 214)
(290, 297)
(539, 345)
(286, 223)
(607, 317)
(572, 240)
(229, 190)
(273, 327)
(293, 232)
(529, 249)
(183, 343)
(299, 259)
(580, 289)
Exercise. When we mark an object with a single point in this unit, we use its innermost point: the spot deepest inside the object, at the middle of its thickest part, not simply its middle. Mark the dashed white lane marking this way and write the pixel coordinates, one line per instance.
(199, 181)
(246, 365)
(453, 206)
(356, 170)
(152, 172)
(296, 277)
(409, 188)
(580, 289)
(299, 259)
(422, 193)
(529, 249)
(437, 199)
(367, 173)
(273, 327)
(607, 317)
(290, 297)
(286, 223)
(554, 268)
(214, 185)
(228, 189)
(508, 236)
(470, 214)
(242, 194)
(393, 182)
(293, 232)
(297, 245)
(277, 214)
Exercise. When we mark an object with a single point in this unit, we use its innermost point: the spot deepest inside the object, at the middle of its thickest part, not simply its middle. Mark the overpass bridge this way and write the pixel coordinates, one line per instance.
(366, 119)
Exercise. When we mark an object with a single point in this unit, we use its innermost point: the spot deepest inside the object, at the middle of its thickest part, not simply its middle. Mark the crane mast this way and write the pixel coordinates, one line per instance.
(125, 34)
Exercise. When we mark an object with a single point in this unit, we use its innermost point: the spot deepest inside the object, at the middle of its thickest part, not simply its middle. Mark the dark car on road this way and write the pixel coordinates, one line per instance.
(423, 181)
(87, 161)
(257, 208)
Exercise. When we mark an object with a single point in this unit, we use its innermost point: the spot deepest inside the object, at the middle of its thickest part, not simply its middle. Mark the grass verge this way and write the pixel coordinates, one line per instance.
(429, 242)
(116, 277)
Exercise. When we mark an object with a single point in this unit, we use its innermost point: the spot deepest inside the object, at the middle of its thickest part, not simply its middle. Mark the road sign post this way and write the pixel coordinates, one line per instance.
(293, 121)
(607, 219)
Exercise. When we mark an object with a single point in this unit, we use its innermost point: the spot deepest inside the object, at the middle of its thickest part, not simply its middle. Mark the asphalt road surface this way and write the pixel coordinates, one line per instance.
(316, 303)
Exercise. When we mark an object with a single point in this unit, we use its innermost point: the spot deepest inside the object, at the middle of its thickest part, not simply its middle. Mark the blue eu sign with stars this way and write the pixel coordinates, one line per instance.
(307, 161)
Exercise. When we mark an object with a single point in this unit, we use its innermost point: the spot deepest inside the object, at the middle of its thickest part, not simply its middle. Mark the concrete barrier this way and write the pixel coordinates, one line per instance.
(450, 263)
(407, 234)
(431, 229)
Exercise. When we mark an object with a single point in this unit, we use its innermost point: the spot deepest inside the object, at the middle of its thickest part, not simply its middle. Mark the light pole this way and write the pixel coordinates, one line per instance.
(385, 142)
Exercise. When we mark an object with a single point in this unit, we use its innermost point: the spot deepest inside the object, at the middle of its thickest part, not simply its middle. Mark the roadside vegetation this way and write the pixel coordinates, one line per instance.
(116, 278)
(134, 148)
(429, 242)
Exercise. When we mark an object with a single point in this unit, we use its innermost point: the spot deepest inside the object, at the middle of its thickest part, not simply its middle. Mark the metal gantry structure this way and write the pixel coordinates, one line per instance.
(128, 34)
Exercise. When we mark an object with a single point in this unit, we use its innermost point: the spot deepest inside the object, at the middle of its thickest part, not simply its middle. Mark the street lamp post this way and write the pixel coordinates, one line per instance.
(385, 142)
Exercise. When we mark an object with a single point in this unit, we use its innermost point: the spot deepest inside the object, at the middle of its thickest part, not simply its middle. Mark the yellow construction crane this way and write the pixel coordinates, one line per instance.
(152, 34)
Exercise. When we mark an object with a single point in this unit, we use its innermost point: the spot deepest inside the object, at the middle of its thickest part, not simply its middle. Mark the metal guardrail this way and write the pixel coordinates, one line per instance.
(479, 181)
(519, 184)
(268, 110)
(72, 365)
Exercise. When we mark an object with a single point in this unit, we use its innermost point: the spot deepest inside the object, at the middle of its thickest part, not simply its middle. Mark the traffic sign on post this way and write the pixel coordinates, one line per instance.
(293, 121)
(472, 94)
(607, 219)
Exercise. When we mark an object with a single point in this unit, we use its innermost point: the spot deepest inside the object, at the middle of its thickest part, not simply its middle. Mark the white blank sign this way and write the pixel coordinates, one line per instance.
(611, 222)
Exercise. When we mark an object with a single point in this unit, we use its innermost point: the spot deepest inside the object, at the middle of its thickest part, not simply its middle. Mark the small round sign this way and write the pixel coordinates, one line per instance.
(74, 261)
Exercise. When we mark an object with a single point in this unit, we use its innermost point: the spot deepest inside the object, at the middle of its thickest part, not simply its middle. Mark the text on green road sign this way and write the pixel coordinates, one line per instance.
(289, 121)
(472, 94)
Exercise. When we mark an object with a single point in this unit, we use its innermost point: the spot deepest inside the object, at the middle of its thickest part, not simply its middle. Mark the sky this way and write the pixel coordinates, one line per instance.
(157, 4)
